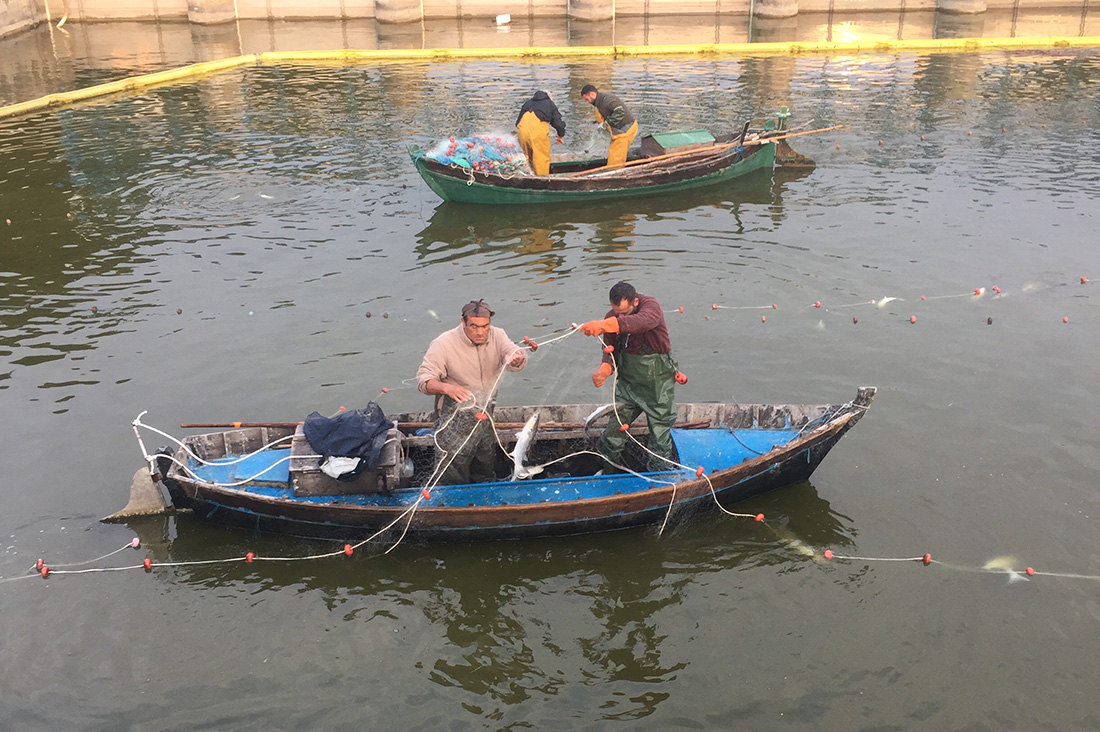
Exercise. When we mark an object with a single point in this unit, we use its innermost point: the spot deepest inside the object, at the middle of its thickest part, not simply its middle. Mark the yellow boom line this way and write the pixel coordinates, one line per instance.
(713, 50)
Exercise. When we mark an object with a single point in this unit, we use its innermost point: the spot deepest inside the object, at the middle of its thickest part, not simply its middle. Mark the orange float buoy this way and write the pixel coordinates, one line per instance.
(608, 348)
(624, 427)
(1084, 280)
(922, 138)
(425, 494)
(385, 390)
(699, 472)
(482, 416)
(681, 378)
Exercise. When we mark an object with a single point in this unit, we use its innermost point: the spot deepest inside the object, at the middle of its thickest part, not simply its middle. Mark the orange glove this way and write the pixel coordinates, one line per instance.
(599, 327)
(600, 375)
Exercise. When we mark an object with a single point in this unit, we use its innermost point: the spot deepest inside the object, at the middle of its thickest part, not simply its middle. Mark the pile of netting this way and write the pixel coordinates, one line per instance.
(491, 154)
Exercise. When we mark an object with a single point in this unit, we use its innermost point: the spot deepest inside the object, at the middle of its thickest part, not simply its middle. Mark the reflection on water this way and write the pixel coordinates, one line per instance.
(524, 620)
(534, 233)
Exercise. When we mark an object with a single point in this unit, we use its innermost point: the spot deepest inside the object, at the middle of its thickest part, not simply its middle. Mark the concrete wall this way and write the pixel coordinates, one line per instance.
(449, 23)
(18, 15)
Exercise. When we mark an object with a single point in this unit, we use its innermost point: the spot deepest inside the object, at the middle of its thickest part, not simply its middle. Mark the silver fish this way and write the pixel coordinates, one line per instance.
(524, 439)
(596, 414)
(1005, 564)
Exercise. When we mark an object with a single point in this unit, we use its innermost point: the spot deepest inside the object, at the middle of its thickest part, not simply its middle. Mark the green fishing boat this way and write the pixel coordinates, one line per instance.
(667, 161)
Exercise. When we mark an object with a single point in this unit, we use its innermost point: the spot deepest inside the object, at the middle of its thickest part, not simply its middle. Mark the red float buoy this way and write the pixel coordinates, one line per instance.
(608, 348)
(347, 549)
(926, 559)
(759, 517)
(148, 563)
(855, 320)
(763, 318)
(912, 318)
(45, 571)
(681, 378)
(699, 472)
(39, 564)
(249, 557)
(482, 416)
(1065, 319)
(1084, 280)
(1030, 572)
(714, 306)
(624, 427)
(828, 554)
(681, 308)
(425, 494)
(817, 304)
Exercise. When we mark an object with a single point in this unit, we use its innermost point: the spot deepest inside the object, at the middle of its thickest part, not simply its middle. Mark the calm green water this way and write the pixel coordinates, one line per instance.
(211, 252)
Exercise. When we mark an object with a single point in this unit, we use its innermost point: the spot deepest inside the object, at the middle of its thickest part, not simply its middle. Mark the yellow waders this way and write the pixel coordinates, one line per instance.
(534, 138)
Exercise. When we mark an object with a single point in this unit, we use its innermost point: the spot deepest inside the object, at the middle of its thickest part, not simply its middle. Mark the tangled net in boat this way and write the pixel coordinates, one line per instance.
(487, 153)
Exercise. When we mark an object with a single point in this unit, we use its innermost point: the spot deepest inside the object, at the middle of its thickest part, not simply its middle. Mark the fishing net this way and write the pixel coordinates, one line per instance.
(487, 153)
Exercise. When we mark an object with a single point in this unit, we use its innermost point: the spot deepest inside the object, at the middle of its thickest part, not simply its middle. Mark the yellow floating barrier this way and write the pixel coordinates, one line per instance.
(351, 56)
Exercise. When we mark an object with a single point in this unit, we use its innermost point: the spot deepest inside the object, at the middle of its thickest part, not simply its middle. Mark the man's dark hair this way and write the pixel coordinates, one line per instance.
(588, 88)
(622, 291)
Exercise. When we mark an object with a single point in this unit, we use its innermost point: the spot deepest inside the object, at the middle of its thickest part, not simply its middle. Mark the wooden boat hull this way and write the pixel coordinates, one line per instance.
(453, 183)
(552, 506)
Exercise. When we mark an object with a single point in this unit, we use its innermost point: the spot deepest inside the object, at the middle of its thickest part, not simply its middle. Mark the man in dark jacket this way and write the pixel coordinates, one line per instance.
(611, 111)
(635, 328)
(532, 127)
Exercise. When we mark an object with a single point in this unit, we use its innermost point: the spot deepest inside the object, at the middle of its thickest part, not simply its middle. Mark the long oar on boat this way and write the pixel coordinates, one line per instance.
(697, 151)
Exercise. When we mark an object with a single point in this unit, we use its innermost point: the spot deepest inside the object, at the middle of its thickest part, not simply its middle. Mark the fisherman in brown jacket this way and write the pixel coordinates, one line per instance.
(462, 368)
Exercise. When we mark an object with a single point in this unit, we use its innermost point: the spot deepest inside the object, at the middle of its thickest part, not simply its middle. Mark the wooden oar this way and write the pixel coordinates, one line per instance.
(712, 148)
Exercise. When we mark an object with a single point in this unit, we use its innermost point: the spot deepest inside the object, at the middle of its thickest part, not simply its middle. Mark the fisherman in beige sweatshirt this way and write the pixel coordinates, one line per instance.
(462, 368)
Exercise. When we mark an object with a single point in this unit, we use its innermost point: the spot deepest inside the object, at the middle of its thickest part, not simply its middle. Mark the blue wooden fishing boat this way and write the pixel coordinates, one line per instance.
(269, 478)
